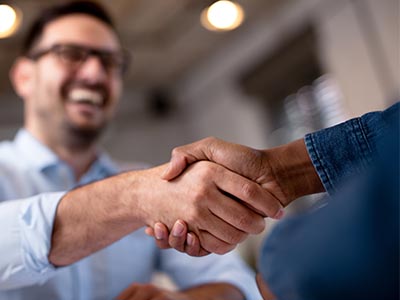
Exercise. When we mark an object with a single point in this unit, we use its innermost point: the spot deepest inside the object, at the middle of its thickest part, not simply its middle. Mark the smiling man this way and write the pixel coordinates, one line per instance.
(69, 233)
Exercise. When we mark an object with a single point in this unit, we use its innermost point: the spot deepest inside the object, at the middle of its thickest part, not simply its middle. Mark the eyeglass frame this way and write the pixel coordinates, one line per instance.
(89, 51)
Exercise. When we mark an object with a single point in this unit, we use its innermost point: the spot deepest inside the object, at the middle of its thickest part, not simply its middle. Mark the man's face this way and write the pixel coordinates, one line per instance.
(81, 98)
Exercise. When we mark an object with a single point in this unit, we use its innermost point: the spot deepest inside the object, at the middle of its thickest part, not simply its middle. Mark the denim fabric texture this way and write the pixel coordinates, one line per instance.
(348, 249)
(345, 150)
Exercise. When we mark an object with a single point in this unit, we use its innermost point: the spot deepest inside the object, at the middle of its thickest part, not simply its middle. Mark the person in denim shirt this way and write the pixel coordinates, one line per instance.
(347, 249)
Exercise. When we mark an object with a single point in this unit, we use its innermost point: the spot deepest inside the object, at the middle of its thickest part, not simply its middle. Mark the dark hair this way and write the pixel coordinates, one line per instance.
(57, 11)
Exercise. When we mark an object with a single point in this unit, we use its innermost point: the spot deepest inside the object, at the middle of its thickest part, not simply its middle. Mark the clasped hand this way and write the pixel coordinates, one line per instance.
(236, 201)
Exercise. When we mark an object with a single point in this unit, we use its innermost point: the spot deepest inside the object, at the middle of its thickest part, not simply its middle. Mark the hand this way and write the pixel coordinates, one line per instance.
(202, 197)
(139, 291)
(286, 171)
(251, 163)
(179, 238)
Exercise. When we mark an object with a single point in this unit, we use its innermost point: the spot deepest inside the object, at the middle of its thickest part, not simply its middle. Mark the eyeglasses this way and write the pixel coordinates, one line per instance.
(75, 55)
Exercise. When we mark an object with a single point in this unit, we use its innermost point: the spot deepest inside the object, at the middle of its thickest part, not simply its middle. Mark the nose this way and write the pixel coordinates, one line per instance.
(93, 70)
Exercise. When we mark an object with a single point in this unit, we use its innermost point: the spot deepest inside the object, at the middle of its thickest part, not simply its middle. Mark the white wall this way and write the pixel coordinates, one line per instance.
(351, 51)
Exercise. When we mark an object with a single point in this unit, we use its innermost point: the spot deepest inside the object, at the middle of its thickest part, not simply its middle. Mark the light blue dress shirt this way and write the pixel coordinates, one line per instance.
(32, 181)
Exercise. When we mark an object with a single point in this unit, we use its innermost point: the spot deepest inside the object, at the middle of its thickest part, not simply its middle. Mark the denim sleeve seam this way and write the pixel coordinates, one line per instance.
(317, 161)
(362, 141)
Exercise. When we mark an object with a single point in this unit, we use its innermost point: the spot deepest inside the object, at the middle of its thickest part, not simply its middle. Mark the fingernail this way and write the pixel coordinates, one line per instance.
(189, 239)
(279, 214)
(158, 232)
(178, 229)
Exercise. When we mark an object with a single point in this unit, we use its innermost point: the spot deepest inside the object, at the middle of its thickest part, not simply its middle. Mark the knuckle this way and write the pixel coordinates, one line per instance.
(249, 190)
(194, 217)
(205, 169)
(176, 151)
(245, 222)
(202, 192)
(177, 244)
(236, 238)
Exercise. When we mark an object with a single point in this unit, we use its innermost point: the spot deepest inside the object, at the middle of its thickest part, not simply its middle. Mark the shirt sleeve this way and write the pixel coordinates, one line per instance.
(26, 227)
(345, 150)
(187, 271)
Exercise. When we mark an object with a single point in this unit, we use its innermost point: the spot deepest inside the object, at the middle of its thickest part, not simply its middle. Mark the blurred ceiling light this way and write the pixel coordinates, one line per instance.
(222, 15)
(9, 20)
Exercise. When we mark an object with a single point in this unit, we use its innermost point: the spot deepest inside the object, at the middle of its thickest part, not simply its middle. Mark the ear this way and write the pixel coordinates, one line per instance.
(22, 77)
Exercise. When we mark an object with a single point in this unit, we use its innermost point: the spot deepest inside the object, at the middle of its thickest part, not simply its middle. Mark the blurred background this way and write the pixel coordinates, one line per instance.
(291, 67)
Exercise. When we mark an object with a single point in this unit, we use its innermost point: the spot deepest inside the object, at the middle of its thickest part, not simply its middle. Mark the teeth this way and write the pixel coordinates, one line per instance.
(86, 96)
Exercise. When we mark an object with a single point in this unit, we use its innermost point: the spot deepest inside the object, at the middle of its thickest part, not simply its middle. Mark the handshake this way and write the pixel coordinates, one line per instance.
(209, 198)
(228, 190)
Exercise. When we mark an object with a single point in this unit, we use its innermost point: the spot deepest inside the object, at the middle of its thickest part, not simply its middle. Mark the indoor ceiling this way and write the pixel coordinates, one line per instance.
(165, 36)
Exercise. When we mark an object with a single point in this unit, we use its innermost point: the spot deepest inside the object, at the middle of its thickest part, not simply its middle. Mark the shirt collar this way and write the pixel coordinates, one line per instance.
(36, 154)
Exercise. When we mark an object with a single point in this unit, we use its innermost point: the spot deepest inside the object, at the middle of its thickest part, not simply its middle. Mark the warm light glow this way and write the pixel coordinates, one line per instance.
(222, 15)
(9, 20)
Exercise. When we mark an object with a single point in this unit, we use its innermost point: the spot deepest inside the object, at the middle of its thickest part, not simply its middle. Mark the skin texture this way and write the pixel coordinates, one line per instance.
(285, 173)
(92, 217)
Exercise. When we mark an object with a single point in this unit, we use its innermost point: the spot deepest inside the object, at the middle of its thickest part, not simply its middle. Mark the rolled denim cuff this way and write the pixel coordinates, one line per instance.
(339, 152)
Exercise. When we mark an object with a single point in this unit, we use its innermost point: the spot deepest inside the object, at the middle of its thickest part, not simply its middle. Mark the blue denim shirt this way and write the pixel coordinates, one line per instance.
(345, 150)
(348, 249)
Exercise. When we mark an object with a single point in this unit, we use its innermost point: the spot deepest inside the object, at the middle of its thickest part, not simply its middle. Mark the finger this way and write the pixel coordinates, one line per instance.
(177, 238)
(214, 245)
(149, 231)
(217, 226)
(161, 234)
(175, 167)
(182, 156)
(249, 192)
(232, 211)
(193, 247)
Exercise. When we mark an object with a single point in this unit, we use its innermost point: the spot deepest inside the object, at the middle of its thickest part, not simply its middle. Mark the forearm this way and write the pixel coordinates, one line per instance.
(214, 291)
(94, 216)
(293, 171)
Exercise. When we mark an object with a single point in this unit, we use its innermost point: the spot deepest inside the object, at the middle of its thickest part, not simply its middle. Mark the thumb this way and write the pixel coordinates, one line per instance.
(183, 156)
(175, 167)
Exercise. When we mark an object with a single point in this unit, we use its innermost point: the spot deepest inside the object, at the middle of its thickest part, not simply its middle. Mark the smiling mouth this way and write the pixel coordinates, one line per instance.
(86, 96)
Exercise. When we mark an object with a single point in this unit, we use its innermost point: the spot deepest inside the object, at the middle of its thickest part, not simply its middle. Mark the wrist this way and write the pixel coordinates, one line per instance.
(130, 195)
(141, 193)
(293, 170)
